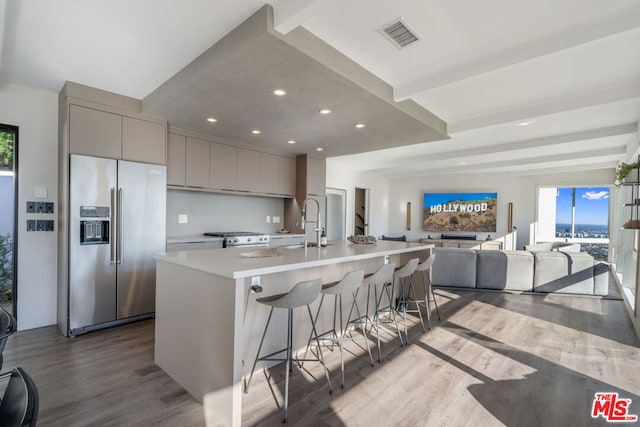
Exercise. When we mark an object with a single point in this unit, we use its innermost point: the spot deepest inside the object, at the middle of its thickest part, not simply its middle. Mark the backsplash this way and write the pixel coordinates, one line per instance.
(221, 212)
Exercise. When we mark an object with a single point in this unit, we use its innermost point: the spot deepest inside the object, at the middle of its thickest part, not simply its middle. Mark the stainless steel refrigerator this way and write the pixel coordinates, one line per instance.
(117, 220)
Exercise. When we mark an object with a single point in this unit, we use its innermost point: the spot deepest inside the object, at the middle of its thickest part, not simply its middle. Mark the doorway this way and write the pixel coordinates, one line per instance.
(8, 215)
(361, 212)
(336, 213)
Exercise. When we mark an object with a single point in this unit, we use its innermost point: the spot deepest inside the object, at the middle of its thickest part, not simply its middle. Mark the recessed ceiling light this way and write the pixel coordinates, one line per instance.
(524, 123)
(319, 149)
(462, 163)
(280, 92)
(291, 141)
(359, 125)
(255, 132)
(212, 119)
(325, 111)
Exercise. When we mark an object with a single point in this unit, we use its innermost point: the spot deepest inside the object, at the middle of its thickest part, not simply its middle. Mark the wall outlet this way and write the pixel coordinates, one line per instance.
(268, 219)
(31, 225)
(255, 281)
(48, 225)
(183, 219)
(40, 207)
(276, 220)
(31, 207)
(48, 207)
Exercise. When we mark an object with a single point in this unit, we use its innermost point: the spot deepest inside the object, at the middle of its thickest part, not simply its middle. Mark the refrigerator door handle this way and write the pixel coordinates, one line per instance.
(112, 233)
(119, 253)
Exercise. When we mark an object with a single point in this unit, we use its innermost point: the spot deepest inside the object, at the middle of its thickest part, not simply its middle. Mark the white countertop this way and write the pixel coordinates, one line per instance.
(228, 262)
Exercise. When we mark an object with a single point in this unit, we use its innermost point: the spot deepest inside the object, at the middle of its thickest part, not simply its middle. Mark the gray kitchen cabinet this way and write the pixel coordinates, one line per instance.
(102, 134)
(94, 132)
(287, 176)
(197, 163)
(223, 167)
(248, 171)
(176, 160)
(269, 173)
(144, 141)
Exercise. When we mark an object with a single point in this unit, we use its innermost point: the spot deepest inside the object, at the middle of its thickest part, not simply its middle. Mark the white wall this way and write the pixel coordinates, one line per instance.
(221, 212)
(36, 114)
(521, 191)
(340, 176)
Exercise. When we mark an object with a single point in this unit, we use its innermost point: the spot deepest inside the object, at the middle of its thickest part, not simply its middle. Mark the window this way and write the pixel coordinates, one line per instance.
(577, 215)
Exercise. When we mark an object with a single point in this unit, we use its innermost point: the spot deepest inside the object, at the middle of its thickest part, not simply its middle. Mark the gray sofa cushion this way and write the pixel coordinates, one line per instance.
(553, 246)
(538, 247)
(454, 267)
(567, 272)
(512, 270)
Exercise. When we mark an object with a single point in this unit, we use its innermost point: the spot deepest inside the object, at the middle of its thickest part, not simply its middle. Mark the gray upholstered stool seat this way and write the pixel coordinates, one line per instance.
(383, 279)
(303, 293)
(429, 296)
(350, 284)
(404, 275)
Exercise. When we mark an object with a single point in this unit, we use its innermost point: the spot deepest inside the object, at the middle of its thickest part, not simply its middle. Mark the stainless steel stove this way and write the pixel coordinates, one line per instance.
(240, 238)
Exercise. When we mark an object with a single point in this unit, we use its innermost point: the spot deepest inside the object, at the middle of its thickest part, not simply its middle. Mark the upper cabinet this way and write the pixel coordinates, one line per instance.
(176, 160)
(95, 133)
(144, 141)
(197, 163)
(248, 171)
(223, 167)
(99, 133)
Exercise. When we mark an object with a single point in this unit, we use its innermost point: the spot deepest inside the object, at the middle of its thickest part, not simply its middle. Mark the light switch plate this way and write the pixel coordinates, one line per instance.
(40, 192)
(183, 219)
(276, 220)
(268, 219)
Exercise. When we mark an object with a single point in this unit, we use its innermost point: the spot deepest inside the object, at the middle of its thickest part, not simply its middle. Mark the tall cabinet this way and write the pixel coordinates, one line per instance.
(102, 125)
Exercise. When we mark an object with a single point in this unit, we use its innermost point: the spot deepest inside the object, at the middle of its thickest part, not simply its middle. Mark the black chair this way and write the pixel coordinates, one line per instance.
(397, 239)
(7, 328)
(20, 403)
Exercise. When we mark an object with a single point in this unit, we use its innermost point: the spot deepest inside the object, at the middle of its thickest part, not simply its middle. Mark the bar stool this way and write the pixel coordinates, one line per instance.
(428, 290)
(403, 274)
(383, 278)
(303, 293)
(350, 283)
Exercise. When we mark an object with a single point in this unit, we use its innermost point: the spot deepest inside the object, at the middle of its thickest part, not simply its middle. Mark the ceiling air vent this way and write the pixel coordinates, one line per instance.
(398, 33)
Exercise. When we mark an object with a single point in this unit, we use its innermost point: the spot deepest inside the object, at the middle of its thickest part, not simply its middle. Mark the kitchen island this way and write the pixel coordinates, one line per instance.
(208, 323)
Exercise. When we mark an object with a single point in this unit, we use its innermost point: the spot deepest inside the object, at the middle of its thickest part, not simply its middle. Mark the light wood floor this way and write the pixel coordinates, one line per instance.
(494, 359)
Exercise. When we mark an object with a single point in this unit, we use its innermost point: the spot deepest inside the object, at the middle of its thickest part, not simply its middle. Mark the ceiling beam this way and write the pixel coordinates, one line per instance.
(605, 95)
(520, 53)
(290, 14)
(626, 129)
(525, 163)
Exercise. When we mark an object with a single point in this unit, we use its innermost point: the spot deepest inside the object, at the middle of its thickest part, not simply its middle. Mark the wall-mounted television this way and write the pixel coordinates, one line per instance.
(474, 212)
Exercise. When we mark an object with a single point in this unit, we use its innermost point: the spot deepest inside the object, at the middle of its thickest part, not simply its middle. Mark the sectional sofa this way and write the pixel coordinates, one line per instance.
(527, 270)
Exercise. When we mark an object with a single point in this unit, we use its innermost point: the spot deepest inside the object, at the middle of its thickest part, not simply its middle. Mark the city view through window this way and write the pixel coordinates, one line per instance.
(582, 215)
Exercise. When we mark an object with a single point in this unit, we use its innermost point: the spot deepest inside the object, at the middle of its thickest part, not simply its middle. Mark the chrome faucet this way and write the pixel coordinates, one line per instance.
(304, 221)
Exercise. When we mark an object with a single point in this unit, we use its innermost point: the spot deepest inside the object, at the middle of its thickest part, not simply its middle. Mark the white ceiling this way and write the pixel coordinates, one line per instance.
(571, 68)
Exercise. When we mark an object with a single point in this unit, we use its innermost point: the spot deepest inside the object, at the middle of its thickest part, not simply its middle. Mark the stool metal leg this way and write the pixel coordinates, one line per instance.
(288, 365)
(362, 323)
(247, 382)
(428, 289)
(321, 358)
